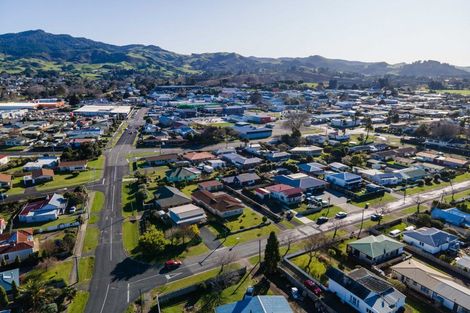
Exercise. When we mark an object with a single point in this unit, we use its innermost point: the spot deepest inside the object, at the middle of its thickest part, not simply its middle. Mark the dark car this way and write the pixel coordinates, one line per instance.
(310, 284)
(172, 264)
(376, 217)
(322, 220)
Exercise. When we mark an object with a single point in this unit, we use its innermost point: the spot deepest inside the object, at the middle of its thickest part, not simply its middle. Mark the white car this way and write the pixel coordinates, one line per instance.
(341, 214)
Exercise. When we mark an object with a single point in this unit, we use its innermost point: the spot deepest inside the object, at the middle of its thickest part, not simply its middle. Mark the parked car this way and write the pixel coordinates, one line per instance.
(376, 217)
(3, 196)
(172, 264)
(322, 220)
(341, 214)
(295, 293)
(310, 284)
(395, 233)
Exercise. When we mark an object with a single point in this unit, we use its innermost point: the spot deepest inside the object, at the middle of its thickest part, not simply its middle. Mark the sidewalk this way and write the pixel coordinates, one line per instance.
(77, 249)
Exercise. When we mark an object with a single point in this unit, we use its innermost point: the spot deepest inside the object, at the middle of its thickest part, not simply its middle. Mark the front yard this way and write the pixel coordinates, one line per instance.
(328, 212)
(376, 202)
(249, 218)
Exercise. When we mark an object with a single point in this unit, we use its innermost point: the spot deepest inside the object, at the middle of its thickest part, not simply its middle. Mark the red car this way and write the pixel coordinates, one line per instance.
(172, 264)
(312, 287)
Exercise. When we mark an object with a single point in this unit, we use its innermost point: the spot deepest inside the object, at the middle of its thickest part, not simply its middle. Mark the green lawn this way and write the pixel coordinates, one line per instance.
(79, 302)
(194, 279)
(316, 268)
(60, 271)
(221, 124)
(414, 306)
(17, 187)
(61, 220)
(98, 202)
(85, 268)
(375, 202)
(463, 92)
(189, 189)
(442, 184)
(12, 148)
(130, 235)
(91, 239)
(331, 212)
(249, 218)
(233, 293)
(129, 204)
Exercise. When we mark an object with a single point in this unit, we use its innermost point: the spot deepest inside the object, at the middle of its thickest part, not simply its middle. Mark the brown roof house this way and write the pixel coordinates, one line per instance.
(38, 176)
(218, 203)
(5, 180)
(71, 166)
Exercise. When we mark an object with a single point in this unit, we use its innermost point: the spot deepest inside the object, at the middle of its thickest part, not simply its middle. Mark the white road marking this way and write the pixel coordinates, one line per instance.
(127, 292)
(146, 278)
(111, 241)
(104, 179)
(105, 297)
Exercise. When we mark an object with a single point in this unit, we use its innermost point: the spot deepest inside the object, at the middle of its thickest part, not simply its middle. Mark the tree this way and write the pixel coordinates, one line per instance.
(312, 245)
(194, 230)
(422, 131)
(3, 298)
(368, 127)
(15, 291)
(295, 120)
(271, 254)
(153, 241)
(288, 241)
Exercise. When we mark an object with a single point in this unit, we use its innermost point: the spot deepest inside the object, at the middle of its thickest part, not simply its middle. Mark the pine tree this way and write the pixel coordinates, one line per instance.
(15, 291)
(3, 298)
(271, 254)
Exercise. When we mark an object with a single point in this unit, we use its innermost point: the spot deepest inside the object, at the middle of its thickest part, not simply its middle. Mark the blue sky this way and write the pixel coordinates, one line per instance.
(366, 30)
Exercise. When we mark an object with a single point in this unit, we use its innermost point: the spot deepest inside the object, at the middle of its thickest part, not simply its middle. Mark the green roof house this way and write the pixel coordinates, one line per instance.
(375, 249)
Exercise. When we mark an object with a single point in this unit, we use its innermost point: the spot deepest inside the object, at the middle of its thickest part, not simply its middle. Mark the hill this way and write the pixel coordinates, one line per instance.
(39, 53)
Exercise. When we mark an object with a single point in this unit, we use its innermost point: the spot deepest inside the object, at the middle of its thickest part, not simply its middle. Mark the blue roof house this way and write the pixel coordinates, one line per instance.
(8, 277)
(452, 216)
(431, 240)
(345, 180)
(258, 304)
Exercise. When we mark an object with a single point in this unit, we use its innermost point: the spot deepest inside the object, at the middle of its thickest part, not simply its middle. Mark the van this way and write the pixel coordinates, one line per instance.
(395, 233)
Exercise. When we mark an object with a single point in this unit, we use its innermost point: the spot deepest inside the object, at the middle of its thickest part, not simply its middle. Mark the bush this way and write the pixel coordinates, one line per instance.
(437, 224)
(265, 219)
(332, 252)
(420, 183)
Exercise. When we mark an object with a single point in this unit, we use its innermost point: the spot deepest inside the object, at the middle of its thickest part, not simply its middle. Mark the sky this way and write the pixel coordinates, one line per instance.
(365, 30)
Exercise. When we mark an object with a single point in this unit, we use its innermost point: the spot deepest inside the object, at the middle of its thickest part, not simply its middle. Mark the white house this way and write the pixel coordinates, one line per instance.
(43, 210)
(19, 244)
(4, 159)
(431, 240)
(187, 214)
(435, 285)
(42, 162)
(364, 291)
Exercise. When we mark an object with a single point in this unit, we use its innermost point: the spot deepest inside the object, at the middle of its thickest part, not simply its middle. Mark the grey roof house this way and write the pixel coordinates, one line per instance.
(167, 197)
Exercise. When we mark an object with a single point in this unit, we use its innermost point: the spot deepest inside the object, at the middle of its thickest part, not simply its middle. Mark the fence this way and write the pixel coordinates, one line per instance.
(58, 227)
(359, 198)
(255, 205)
(226, 279)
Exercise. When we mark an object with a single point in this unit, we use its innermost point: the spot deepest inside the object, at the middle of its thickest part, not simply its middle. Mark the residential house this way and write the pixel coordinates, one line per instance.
(38, 176)
(242, 162)
(19, 243)
(218, 203)
(338, 167)
(379, 177)
(286, 194)
(3, 225)
(8, 277)
(412, 174)
(364, 291)
(216, 163)
(162, 159)
(187, 214)
(304, 182)
(312, 168)
(441, 288)
(251, 132)
(180, 174)
(375, 249)
(167, 197)
(452, 216)
(257, 304)
(43, 210)
(306, 151)
(71, 166)
(5, 180)
(431, 240)
(242, 180)
(4, 159)
(344, 180)
(227, 150)
(198, 157)
(277, 156)
(42, 162)
(463, 262)
(211, 185)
